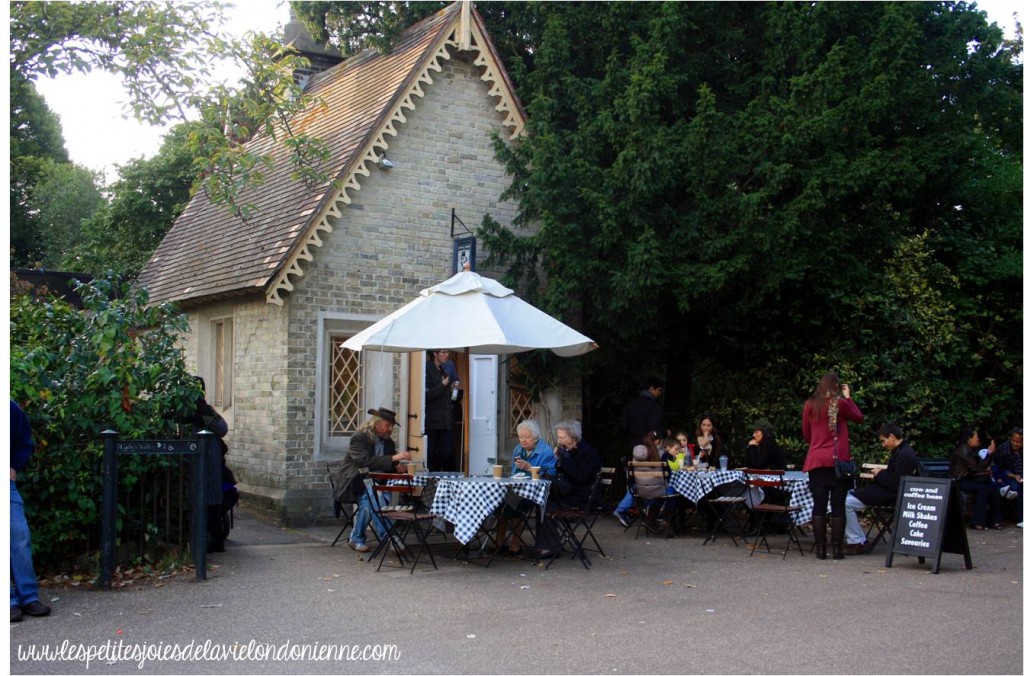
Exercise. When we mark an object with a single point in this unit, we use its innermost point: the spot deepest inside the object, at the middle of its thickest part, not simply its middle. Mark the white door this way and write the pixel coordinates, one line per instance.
(483, 412)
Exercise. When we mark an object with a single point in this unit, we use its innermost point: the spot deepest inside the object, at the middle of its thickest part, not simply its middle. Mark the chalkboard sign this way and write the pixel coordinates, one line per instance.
(929, 521)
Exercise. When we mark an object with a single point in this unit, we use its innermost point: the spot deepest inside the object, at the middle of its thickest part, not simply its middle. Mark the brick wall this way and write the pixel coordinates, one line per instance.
(390, 243)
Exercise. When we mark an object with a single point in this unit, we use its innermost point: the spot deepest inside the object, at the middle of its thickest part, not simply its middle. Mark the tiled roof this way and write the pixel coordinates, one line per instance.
(210, 254)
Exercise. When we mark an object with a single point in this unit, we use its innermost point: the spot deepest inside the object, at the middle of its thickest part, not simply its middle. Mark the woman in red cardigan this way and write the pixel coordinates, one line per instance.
(826, 415)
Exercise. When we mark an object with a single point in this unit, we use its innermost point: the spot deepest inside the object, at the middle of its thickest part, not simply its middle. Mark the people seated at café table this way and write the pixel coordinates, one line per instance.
(532, 451)
(577, 463)
(684, 442)
(651, 487)
(371, 448)
(1007, 471)
(710, 446)
(645, 452)
(970, 466)
(763, 452)
(883, 487)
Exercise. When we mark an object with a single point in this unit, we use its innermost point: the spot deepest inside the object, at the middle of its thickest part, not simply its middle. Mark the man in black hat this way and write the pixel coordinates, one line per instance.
(371, 449)
(644, 413)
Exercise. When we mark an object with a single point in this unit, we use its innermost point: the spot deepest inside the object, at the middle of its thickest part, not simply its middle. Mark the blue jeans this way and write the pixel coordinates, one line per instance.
(854, 532)
(363, 515)
(24, 584)
(1014, 486)
(625, 504)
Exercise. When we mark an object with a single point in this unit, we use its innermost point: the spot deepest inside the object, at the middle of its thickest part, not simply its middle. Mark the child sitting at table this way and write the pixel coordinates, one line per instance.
(674, 454)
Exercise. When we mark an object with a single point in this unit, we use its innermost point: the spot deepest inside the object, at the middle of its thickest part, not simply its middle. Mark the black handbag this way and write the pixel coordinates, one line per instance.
(846, 470)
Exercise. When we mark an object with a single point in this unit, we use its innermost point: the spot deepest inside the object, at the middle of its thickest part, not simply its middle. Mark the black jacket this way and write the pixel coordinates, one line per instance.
(577, 470)
(438, 404)
(882, 491)
(641, 415)
(766, 455)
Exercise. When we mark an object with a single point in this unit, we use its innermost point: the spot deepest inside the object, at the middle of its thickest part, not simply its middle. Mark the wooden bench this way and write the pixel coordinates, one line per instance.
(933, 467)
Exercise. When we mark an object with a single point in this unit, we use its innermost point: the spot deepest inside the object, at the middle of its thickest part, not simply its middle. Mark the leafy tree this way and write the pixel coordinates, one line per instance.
(63, 198)
(144, 203)
(115, 365)
(721, 187)
(742, 195)
(164, 53)
(35, 140)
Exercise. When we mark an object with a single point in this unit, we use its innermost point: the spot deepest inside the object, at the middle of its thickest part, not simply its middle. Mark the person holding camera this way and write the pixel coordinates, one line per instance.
(826, 419)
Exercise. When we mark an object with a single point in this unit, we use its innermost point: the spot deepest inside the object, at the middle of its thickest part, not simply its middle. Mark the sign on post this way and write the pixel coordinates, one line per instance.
(929, 521)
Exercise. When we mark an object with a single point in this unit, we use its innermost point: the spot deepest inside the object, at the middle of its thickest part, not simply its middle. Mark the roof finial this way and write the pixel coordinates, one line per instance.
(464, 24)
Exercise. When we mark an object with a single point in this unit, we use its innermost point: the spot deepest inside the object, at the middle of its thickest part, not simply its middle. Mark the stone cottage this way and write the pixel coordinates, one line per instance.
(271, 298)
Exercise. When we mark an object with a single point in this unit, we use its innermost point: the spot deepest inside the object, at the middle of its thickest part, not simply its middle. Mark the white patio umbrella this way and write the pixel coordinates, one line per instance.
(474, 312)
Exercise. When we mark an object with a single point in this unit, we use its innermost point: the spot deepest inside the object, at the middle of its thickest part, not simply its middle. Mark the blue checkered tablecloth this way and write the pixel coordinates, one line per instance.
(466, 501)
(799, 494)
(695, 485)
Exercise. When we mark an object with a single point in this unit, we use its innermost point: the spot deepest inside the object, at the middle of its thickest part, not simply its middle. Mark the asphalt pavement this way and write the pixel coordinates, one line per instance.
(285, 601)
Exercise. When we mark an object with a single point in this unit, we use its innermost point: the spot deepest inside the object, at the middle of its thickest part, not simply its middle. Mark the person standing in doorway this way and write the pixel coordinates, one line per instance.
(438, 413)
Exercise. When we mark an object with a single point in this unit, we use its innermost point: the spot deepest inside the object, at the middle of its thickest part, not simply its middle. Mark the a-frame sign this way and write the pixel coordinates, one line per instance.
(929, 521)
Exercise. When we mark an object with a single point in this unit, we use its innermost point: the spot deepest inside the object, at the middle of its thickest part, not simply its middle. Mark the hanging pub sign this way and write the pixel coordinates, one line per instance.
(929, 521)
(463, 252)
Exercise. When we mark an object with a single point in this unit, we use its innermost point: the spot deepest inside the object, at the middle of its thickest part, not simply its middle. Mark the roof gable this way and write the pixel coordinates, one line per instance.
(211, 254)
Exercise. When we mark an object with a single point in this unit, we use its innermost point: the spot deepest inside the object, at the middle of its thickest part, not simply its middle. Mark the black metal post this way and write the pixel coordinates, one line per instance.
(108, 527)
(199, 503)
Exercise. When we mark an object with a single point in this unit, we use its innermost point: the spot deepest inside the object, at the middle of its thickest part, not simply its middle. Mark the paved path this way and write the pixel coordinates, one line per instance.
(654, 606)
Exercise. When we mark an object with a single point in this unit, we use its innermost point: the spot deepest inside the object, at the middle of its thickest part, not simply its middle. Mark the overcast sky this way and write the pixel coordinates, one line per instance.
(91, 107)
(98, 136)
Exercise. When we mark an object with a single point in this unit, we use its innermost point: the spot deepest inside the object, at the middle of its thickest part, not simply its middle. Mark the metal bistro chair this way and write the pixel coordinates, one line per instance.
(648, 482)
(394, 501)
(571, 519)
(341, 511)
(765, 511)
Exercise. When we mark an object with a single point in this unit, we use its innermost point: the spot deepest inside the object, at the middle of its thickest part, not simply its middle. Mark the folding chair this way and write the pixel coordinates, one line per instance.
(764, 511)
(724, 510)
(648, 482)
(596, 502)
(880, 518)
(570, 519)
(341, 511)
(394, 501)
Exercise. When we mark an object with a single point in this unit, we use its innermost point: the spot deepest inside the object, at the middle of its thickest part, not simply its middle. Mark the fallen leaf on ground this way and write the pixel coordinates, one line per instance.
(609, 595)
(667, 582)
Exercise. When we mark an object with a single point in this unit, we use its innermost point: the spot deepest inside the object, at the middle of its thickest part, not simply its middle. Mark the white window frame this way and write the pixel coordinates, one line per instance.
(220, 383)
(376, 390)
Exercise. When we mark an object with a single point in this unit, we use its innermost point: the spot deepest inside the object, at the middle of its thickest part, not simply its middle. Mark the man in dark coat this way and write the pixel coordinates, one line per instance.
(371, 450)
(644, 413)
(24, 583)
(882, 490)
(438, 413)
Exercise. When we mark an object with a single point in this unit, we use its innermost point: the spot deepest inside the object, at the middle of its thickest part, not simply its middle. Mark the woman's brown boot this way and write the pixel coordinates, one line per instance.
(838, 531)
(818, 528)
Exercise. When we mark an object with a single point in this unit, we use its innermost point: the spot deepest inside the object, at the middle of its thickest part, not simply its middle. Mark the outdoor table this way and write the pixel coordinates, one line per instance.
(694, 485)
(466, 502)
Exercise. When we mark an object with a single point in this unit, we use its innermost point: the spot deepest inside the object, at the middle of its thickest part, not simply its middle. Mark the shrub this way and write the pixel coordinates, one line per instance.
(114, 365)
